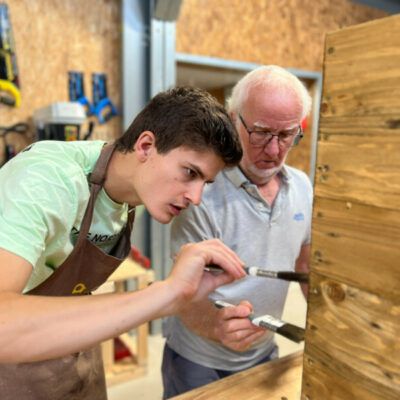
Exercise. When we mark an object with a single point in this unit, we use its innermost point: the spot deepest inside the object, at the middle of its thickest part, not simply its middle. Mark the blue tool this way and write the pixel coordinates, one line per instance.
(77, 91)
(100, 99)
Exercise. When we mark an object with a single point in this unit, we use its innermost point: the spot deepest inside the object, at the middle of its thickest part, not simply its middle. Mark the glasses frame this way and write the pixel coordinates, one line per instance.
(297, 137)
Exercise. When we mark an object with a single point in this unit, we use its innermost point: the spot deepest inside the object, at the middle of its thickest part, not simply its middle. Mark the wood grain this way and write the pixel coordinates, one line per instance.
(277, 379)
(362, 74)
(360, 168)
(352, 347)
(357, 245)
(321, 382)
(354, 333)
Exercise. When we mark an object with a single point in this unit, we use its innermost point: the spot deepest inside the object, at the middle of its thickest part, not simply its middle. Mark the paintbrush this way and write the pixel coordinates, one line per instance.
(255, 271)
(292, 332)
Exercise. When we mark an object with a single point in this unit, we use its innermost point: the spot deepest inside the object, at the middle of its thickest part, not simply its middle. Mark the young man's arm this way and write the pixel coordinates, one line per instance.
(34, 328)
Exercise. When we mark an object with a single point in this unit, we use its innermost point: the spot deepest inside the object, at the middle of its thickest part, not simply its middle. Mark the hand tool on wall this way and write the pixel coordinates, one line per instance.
(255, 271)
(76, 90)
(9, 81)
(9, 149)
(100, 98)
(292, 332)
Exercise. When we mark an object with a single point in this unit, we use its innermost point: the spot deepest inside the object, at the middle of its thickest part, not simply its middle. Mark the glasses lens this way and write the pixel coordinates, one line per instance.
(261, 139)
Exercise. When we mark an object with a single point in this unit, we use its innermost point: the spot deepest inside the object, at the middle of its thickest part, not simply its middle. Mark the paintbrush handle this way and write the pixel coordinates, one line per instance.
(292, 332)
(255, 271)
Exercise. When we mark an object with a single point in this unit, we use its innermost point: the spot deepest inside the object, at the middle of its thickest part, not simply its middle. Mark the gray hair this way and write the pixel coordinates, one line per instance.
(270, 77)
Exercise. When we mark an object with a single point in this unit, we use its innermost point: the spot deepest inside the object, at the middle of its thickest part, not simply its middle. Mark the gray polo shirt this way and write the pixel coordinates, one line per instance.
(233, 210)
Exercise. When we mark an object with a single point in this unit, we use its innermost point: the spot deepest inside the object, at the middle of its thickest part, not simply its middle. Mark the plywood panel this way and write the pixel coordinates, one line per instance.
(358, 245)
(53, 37)
(289, 33)
(360, 168)
(354, 334)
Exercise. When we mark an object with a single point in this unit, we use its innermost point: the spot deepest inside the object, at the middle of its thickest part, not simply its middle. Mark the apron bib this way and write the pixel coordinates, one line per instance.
(78, 376)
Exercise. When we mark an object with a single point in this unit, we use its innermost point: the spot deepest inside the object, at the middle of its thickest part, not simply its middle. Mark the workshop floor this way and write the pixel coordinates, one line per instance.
(149, 387)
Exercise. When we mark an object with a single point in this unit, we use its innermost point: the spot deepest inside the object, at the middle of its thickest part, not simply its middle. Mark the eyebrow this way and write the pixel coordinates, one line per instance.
(259, 125)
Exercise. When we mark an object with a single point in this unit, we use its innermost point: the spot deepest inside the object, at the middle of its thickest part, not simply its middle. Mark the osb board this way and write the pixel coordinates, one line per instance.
(362, 80)
(352, 336)
(289, 33)
(360, 168)
(53, 37)
(357, 245)
(277, 379)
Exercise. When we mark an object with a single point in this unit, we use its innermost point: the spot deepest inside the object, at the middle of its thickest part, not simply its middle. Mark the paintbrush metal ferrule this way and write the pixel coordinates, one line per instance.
(292, 332)
(284, 275)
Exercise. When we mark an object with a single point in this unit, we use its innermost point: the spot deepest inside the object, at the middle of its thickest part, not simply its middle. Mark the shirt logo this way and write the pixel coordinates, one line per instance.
(299, 217)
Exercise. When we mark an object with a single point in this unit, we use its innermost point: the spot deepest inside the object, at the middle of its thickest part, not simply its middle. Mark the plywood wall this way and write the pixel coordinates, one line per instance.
(289, 33)
(53, 37)
(352, 348)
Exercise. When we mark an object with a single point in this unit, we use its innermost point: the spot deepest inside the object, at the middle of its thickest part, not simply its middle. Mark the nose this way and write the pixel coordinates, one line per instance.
(195, 192)
(272, 147)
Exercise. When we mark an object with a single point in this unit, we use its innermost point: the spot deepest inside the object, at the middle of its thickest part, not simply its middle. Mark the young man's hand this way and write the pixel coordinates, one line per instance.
(188, 276)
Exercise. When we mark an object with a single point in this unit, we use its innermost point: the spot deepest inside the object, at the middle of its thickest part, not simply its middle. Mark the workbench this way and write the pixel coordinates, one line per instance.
(279, 379)
(135, 365)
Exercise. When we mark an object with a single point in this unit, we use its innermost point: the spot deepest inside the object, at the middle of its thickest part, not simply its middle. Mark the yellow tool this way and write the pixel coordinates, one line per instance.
(9, 88)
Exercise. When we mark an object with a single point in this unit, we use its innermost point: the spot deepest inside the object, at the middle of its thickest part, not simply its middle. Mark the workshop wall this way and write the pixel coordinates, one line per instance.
(352, 348)
(289, 33)
(53, 37)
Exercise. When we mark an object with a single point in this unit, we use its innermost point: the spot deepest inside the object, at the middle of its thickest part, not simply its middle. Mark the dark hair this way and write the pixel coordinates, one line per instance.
(189, 117)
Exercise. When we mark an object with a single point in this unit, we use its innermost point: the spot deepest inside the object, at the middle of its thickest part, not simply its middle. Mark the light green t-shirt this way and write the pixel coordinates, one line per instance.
(44, 192)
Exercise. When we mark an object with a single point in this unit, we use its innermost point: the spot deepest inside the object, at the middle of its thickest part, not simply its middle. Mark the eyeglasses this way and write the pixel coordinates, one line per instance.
(287, 139)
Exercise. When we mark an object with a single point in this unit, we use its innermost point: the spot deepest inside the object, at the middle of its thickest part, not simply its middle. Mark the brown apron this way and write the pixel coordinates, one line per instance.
(80, 375)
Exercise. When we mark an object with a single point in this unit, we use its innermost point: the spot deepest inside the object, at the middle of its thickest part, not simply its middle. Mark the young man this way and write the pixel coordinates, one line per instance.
(58, 198)
(262, 211)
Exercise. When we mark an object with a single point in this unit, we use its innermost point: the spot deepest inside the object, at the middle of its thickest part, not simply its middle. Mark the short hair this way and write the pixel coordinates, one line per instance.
(188, 117)
(271, 77)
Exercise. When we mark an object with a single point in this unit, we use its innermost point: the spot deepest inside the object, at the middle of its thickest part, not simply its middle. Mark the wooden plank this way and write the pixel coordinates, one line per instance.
(355, 334)
(321, 382)
(130, 269)
(358, 245)
(362, 72)
(360, 169)
(277, 379)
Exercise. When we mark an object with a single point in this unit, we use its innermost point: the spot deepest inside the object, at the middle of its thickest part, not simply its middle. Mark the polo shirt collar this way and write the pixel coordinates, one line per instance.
(239, 179)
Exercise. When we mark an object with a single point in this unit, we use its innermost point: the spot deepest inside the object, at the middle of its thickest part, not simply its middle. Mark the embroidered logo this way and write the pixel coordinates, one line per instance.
(79, 288)
(299, 217)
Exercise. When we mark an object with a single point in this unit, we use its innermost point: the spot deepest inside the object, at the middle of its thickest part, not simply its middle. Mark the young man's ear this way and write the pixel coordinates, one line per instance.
(145, 145)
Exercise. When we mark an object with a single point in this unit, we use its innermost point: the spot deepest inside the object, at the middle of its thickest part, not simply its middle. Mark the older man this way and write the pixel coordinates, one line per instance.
(261, 210)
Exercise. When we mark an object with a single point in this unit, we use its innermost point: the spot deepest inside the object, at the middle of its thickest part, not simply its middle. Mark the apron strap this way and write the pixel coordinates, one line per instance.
(96, 179)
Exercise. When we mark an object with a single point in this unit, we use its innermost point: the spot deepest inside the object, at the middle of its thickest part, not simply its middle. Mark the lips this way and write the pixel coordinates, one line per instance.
(176, 209)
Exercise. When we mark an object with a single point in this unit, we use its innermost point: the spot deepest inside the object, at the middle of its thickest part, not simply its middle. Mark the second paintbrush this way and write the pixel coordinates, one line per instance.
(256, 271)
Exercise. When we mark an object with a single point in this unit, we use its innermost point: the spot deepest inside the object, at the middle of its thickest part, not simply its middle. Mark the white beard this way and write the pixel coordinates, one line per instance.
(262, 176)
